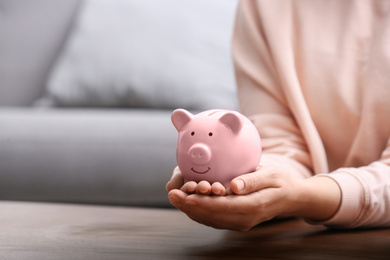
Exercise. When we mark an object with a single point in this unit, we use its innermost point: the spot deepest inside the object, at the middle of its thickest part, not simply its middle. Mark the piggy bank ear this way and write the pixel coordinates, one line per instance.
(180, 117)
(232, 121)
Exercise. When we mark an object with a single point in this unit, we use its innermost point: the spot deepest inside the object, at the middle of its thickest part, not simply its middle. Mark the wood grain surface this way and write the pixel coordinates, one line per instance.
(61, 231)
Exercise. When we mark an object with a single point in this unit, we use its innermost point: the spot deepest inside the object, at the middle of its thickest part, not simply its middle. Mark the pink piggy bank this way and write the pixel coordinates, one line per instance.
(216, 145)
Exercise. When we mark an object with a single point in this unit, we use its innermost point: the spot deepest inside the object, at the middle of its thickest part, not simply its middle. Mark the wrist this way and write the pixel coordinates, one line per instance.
(319, 198)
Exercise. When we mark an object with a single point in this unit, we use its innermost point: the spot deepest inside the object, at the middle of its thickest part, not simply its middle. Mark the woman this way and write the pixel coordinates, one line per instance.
(314, 77)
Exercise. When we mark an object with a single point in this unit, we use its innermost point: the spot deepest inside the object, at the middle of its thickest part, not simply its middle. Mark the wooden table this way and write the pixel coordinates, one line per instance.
(58, 231)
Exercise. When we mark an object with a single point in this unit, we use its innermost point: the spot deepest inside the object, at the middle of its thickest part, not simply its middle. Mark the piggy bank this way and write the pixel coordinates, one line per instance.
(215, 145)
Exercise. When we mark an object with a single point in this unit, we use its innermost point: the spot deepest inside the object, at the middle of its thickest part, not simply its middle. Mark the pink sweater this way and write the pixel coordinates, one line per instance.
(314, 76)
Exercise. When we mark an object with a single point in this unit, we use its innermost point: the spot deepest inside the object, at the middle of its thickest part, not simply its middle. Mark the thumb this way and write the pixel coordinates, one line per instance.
(176, 180)
(251, 182)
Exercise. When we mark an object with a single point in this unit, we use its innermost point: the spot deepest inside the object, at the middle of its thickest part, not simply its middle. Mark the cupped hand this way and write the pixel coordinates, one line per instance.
(253, 198)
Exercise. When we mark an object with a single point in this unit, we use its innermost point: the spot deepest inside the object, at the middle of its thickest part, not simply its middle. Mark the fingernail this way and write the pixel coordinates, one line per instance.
(240, 185)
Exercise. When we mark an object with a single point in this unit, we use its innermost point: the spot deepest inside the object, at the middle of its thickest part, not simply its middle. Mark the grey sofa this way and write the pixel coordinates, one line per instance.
(114, 145)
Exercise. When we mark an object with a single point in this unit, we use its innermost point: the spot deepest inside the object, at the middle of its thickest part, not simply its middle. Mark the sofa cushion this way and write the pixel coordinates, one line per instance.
(150, 53)
(31, 36)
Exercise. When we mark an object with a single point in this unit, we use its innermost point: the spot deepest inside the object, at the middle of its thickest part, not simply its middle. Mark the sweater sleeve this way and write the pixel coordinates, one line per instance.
(365, 195)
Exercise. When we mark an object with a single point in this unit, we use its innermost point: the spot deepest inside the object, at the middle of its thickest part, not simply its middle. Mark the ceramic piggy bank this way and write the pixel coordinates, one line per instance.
(215, 145)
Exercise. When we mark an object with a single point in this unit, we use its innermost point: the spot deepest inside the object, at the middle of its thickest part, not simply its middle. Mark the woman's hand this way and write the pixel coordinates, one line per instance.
(254, 198)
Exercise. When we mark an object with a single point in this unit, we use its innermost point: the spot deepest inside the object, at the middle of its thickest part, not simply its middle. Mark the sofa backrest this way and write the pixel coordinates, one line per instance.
(31, 35)
(146, 54)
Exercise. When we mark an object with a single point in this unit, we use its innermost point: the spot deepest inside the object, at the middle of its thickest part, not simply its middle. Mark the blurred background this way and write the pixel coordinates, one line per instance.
(87, 88)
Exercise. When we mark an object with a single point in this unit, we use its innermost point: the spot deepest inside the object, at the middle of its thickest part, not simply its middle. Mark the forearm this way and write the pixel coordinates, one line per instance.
(318, 199)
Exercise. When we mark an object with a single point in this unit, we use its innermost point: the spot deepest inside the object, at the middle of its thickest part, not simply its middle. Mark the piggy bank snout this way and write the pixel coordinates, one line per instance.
(199, 154)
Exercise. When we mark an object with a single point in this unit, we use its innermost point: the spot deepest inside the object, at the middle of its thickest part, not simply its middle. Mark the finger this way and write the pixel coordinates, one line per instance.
(204, 188)
(189, 187)
(218, 189)
(264, 177)
(177, 198)
(229, 191)
(176, 180)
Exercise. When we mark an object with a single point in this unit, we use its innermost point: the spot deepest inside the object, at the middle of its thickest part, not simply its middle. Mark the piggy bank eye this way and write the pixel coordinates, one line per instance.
(210, 134)
(192, 133)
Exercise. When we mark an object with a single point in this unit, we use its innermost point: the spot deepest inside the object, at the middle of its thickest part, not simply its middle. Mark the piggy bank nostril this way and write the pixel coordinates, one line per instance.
(197, 155)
